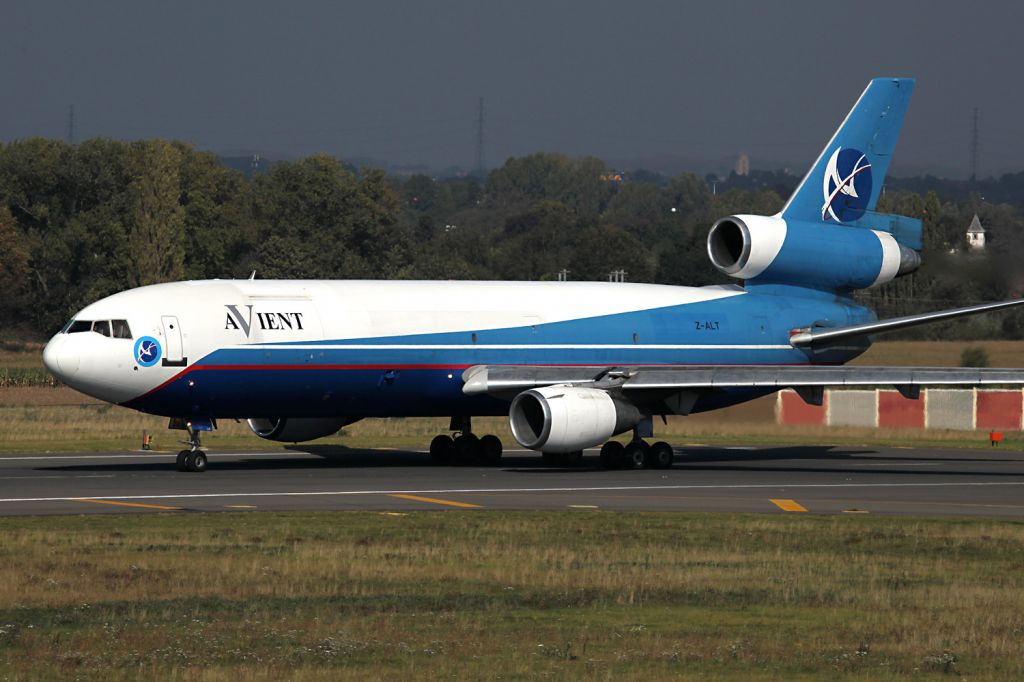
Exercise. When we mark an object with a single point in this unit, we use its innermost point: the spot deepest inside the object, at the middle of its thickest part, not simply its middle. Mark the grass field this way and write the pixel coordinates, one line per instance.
(514, 596)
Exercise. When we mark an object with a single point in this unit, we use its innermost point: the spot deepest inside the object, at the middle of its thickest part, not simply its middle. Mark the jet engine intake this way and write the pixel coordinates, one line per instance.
(292, 430)
(568, 418)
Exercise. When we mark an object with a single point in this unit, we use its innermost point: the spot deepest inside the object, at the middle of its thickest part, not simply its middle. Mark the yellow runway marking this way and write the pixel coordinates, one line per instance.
(239, 506)
(132, 504)
(788, 505)
(417, 498)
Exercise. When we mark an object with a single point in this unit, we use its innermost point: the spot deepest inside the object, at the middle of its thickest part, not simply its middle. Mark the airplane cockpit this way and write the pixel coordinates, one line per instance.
(117, 329)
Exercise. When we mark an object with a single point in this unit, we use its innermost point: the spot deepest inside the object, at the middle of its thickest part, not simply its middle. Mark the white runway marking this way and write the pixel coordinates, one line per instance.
(158, 455)
(898, 464)
(451, 491)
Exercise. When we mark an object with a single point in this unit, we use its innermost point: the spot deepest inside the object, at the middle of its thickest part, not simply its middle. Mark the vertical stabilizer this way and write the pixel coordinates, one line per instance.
(847, 177)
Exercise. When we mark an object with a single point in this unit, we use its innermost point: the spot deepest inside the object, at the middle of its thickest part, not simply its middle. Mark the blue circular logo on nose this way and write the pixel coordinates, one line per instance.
(147, 351)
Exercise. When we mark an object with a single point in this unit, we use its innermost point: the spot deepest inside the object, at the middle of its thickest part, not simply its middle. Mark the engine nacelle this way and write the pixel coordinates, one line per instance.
(291, 430)
(831, 257)
(568, 418)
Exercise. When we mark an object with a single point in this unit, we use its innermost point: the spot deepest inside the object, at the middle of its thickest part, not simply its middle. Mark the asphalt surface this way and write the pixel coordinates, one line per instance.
(783, 479)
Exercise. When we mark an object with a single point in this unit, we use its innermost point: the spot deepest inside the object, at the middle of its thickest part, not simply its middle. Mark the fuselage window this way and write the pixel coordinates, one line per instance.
(79, 326)
(101, 327)
(121, 329)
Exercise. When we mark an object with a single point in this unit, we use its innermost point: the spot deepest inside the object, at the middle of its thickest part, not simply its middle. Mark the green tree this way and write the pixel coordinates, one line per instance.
(14, 266)
(155, 217)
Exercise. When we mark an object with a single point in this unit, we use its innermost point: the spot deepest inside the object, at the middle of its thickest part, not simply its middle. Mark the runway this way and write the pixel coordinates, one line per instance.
(766, 479)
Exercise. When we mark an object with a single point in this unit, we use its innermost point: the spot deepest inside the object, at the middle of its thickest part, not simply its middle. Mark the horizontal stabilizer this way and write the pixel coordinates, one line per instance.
(829, 334)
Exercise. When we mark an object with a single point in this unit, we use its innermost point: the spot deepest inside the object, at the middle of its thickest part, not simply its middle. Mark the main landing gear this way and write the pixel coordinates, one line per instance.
(466, 448)
(193, 460)
(637, 454)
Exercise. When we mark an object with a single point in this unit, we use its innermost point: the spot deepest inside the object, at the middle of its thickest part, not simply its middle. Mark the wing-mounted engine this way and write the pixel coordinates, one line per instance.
(831, 257)
(569, 418)
(292, 430)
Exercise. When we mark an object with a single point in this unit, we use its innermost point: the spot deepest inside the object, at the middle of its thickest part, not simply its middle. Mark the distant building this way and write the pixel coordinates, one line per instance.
(976, 235)
(743, 165)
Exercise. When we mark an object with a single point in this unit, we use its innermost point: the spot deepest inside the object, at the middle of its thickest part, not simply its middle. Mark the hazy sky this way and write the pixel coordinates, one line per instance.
(399, 81)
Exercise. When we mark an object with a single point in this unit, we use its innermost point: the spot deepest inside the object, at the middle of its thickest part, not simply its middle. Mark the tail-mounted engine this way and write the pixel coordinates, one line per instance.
(769, 249)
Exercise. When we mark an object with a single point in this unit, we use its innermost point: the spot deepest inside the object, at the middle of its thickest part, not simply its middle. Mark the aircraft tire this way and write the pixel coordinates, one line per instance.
(660, 456)
(490, 450)
(179, 462)
(196, 461)
(552, 459)
(635, 454)
(467, 449)
(611, 454)
(442, 449)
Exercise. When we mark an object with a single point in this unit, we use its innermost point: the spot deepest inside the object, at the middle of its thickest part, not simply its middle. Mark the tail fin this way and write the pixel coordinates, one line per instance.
(847, 178)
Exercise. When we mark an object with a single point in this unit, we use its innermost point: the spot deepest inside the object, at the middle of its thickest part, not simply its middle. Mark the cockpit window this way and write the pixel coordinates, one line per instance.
(121, 329)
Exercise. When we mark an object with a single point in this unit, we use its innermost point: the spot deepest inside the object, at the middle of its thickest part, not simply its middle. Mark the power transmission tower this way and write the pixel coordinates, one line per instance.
(974, 147)
(480, 138)
(71, 124)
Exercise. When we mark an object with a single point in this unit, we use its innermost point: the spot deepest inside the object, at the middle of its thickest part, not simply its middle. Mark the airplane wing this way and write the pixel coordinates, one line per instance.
(808, 380)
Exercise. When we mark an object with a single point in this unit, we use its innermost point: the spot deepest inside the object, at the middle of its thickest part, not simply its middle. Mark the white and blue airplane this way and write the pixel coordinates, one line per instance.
(571, 363)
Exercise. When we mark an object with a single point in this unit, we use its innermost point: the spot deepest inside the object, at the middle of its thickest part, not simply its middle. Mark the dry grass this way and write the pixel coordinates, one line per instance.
(21, 354)
(469, 595)
(941, 353)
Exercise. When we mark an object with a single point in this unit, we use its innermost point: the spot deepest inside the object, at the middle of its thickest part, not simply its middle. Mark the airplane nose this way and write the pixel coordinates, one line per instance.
(60, 357)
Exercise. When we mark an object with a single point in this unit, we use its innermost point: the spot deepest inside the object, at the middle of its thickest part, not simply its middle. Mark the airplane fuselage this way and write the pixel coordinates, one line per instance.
(283, 348)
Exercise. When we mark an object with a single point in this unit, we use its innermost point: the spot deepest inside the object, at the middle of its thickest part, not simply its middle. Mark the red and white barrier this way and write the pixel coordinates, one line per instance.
(936, 408)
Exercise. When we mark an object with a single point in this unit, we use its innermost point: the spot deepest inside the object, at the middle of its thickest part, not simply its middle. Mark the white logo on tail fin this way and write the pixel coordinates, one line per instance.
(847, 173)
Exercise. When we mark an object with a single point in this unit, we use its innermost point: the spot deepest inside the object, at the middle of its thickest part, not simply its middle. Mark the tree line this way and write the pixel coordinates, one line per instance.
(79, 222)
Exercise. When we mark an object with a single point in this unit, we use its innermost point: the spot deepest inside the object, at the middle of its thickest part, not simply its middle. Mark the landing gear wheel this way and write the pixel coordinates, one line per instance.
(490, 450)
(442, 449)
(611, 454)
(196, 461)
(467, 449)
(660, 456)
(179, 463)
(636, 454)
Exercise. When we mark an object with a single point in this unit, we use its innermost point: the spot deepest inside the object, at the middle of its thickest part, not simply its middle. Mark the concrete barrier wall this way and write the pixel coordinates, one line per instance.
(895, 411)
(791, 409)
(949, 409)
(999, 410)
(853, 408)
(937, 408)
